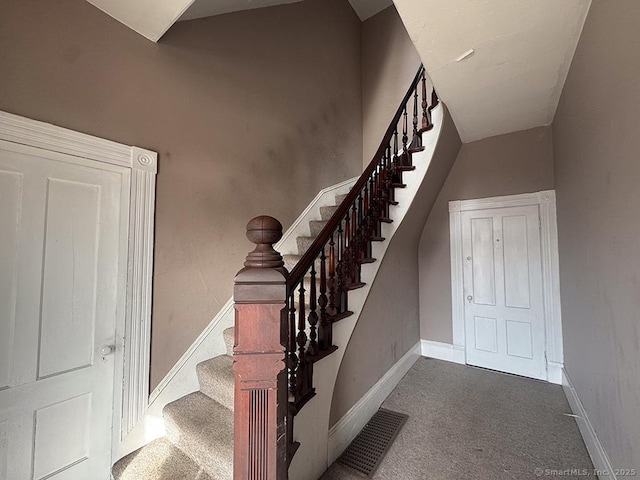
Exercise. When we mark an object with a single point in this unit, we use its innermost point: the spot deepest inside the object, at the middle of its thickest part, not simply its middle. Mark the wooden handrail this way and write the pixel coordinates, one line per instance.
(297, 274)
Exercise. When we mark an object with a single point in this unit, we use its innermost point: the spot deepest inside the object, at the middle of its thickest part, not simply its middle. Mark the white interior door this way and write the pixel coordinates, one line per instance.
(62, 276)
(504, 305)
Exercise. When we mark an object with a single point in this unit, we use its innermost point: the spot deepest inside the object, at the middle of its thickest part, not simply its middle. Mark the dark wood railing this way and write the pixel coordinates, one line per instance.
(301, 307)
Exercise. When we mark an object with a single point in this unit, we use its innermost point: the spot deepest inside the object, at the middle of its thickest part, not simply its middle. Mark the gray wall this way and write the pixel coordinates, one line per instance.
(251, 113)
(597, 170)
(389, 64)
(508, 164)
(389, 324)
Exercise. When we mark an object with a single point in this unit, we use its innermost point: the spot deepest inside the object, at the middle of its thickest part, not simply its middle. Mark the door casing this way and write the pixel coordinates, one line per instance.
(133, 334)
(546, 203)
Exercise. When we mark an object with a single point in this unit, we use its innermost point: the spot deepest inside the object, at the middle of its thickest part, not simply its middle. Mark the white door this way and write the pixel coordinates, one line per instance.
(504, 309)
(62, 267)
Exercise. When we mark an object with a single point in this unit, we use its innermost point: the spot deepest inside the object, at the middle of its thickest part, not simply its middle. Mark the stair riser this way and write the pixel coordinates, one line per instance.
(316, 227)
(216, 380)
(340, 198)
(327, 212)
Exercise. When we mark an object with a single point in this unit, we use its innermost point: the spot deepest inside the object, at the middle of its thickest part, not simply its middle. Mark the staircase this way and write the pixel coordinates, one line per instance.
(287, 319)
(199, 440)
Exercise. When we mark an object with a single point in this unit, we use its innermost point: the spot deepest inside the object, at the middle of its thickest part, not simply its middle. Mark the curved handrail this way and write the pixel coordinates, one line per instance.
(297, 274)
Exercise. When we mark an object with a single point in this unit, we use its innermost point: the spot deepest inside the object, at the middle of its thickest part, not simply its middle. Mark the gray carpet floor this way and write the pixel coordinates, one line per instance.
(470, 423)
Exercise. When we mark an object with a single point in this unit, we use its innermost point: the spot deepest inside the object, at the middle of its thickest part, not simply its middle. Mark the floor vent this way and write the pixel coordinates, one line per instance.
(367, 450)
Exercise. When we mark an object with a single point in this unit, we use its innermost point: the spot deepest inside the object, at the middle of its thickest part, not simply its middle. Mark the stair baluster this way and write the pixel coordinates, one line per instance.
(406, 156)
(313, 315)
(325, 337)
(426, 112)
(292, 358)
(332, 308)
(416, 140)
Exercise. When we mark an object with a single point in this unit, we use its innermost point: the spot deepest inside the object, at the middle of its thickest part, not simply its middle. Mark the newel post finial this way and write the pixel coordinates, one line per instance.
(264, 231)
(261, 397)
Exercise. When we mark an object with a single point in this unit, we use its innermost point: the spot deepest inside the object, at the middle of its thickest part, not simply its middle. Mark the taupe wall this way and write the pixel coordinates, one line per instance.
(251, 113)
(389, 64)
(389, 324)
(508, 164)
(597, 171)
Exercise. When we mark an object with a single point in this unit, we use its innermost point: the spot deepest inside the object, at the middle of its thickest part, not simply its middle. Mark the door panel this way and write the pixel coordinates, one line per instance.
(484, 280)
(71, 416)
(504, 311)
(70, 277)
(517, 288)
(486, 334)
(63, 260)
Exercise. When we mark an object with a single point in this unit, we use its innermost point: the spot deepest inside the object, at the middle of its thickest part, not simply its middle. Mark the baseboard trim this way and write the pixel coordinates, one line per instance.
(598, 455)
(443, 351)
(346, 429)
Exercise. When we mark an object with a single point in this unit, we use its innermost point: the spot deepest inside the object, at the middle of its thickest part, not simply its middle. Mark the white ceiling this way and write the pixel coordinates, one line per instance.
(522, 53)
(522, 49)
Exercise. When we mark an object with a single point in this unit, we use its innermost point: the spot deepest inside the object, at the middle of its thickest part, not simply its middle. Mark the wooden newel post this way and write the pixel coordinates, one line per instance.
(260, 404)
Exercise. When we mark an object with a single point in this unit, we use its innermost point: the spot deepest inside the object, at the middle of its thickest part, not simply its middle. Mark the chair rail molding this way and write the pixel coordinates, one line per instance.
(140, 167)
(546, 202)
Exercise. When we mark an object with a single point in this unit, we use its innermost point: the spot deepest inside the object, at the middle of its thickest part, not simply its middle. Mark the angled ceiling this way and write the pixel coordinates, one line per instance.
(152, 18)
(209, 8)
(518, 56)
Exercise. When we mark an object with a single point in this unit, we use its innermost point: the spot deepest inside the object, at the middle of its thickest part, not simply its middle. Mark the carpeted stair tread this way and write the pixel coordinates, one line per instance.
(216, 379)
(159, 460)
(229, 339)
(203, 429)
(304, 243)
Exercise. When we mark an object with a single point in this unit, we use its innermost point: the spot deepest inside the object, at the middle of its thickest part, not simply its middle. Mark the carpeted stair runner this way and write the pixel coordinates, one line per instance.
(199, 426)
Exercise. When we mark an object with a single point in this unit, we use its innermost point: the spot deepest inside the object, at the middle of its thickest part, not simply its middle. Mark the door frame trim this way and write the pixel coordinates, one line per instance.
(546, 202)
(132, 364)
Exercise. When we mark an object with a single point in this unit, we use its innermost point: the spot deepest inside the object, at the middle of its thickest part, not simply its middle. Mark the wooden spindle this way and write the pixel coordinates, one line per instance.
(394, 177)
(346, 251)
(405, 159)
(375, 206)
(416, 140)
(332, 307)
(292, 358)
(426, 112)
(395, 145)
(354, 245)
(302, 385)
(313, 314)
(340, 273)
(361, 236)
(325, 329)
(386, 187)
